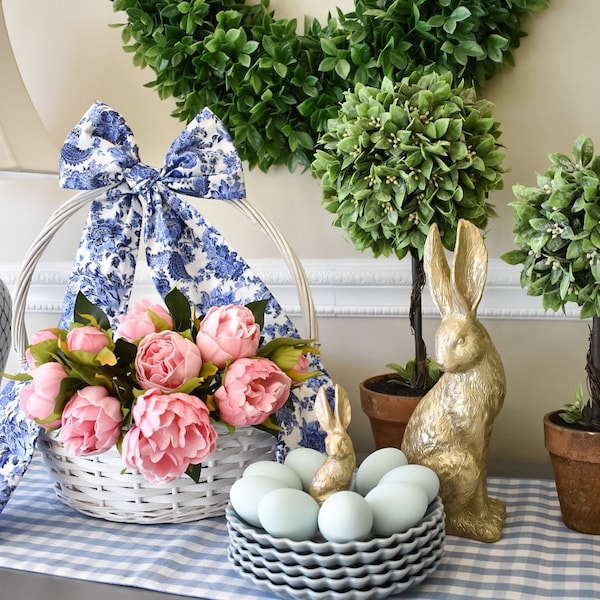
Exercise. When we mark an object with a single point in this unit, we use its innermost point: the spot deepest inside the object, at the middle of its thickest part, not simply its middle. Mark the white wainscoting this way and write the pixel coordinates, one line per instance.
(362, 287)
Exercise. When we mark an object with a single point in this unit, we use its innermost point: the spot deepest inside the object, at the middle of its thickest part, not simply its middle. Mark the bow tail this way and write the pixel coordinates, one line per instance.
(183, 250)
(104, 266)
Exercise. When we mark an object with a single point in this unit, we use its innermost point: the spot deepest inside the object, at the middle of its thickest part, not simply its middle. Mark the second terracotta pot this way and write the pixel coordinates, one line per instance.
(575, 456)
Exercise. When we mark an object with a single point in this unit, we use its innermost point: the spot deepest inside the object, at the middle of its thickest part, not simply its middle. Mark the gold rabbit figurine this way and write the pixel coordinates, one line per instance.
(450, 429)
(336, 472)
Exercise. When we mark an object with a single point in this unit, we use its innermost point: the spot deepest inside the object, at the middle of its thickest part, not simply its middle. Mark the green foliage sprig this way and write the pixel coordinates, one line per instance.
(275, 89)
(578, 412)
(557, 231)
(400, 157)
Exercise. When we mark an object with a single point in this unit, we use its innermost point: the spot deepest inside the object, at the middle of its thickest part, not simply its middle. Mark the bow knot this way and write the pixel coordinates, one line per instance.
(141, 178)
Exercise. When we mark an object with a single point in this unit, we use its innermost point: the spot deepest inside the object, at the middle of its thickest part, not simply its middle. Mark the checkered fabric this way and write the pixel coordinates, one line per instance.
(537, 557)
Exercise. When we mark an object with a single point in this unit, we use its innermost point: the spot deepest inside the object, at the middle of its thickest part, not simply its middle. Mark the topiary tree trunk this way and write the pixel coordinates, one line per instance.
(416, 320)
(593, 372)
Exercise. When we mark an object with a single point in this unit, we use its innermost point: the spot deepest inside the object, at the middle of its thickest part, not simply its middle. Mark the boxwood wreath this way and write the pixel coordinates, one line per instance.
(276, 89)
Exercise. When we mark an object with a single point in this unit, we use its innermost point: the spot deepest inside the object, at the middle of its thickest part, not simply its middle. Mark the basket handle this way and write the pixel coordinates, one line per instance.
(71, 206)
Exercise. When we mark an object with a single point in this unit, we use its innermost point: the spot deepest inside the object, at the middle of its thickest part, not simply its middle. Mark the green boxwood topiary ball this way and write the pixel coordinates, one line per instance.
(557, 231)
(400, 157)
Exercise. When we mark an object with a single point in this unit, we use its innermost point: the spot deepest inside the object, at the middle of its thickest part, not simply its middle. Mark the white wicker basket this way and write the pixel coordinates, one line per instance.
(98, 485)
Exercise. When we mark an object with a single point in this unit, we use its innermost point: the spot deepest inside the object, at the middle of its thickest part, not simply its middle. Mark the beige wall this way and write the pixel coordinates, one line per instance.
(69, 58)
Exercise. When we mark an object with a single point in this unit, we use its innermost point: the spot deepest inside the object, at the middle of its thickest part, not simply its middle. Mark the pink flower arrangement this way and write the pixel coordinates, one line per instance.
(155, 387)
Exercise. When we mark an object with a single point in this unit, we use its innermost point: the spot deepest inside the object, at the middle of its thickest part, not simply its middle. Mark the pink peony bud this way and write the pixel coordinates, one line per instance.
(40, 336)
(91, 421)
(37, 399)
(87, 339)
(137, 323)
(166, 360)
(252, 390)
(226, 334)
(171, 432)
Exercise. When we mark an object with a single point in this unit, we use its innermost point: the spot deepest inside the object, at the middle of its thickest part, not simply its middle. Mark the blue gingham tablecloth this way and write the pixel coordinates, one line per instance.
(537, 557)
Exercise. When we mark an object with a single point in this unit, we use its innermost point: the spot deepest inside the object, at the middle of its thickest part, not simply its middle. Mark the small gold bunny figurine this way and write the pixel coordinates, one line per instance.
(450, 429)
(336, 472)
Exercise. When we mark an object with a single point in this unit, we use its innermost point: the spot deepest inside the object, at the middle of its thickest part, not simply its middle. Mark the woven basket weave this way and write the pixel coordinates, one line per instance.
(98, 485)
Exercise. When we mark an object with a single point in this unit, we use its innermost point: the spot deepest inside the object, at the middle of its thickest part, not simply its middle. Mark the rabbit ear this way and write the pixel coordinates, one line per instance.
(470, 264)
(343, 411)
(323, 410)
(437, 272)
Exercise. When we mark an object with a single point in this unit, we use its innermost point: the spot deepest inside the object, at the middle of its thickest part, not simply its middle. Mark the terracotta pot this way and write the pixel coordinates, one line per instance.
(388, 413)
(575, 457)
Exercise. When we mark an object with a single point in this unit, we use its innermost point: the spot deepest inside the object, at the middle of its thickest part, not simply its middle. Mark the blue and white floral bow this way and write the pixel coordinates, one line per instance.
(182, 249)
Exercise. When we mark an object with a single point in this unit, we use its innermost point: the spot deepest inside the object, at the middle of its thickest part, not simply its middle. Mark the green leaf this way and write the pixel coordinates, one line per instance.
(472, 48)
(125, 351)
(280, 69)
(179, 309)
(565, 282)
(460, 13)
(68, 387)
(496, 45)
(342, 68)
(328, 64)
(514, 257)
(561, 160)
(194, 472)
(86, 313)
(583, 150)
(329, 46)
(258, 308)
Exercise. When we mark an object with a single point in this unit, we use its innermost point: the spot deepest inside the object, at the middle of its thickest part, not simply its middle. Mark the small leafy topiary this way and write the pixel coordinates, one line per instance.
(400, 157)
(557, 234)
(557, 231)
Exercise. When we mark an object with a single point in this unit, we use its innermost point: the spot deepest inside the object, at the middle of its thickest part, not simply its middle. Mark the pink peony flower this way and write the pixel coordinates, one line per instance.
(137, 323)
(227, 333)
(252, 390)
(171, 432)
(39, 336)
(91, 421)
(87, 339)
(38, 397)
(166, 360)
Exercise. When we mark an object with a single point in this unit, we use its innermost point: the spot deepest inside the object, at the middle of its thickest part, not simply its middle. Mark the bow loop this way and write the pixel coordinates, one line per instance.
(203, 161)
(97, 151)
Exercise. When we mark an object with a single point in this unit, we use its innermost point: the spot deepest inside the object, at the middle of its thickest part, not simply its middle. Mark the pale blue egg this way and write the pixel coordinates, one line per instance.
(345, 517)
(275, 470)
(419, 475)
(305, 462)
(289, 513)
(246, 493)
(375, 466)
(396, 507)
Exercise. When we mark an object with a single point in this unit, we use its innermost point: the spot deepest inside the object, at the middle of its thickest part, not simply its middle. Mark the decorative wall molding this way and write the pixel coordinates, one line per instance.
(362, 287)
